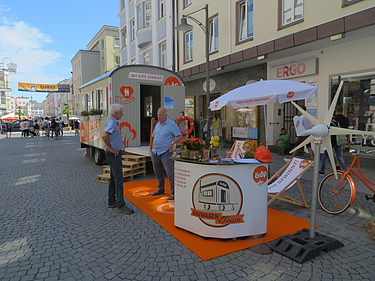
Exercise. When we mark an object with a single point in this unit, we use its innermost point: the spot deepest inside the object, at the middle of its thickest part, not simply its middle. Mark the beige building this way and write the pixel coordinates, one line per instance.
(318, 42)
(101, 56)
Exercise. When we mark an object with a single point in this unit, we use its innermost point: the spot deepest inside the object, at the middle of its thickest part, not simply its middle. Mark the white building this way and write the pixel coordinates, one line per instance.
(146, 32)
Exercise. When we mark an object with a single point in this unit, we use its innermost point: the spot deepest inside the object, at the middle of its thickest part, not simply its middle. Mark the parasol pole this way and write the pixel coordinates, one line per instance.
(265, 123)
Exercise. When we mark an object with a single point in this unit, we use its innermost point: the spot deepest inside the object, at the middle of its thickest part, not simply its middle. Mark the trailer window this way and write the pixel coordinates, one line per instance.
(96, 100)
(103, 101)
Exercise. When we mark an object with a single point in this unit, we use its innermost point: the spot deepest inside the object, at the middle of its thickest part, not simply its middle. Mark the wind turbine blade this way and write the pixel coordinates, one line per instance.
(331, 109)
(343, 131)
(302, 144)
(312, 119)
(327, 143)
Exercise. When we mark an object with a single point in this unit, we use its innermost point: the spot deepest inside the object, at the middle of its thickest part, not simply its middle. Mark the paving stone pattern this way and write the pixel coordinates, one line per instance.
(55, 225)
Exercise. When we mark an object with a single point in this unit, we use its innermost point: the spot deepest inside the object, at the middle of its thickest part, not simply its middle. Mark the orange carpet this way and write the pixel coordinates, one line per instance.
(278, 223)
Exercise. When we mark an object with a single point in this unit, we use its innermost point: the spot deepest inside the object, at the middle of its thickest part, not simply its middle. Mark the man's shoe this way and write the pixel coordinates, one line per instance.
(112, 205)
(321, 173)
(171, 197)
(155, 193)
(125, 210)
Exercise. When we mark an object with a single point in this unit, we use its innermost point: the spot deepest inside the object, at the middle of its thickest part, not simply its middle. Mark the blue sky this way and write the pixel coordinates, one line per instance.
(42, 36)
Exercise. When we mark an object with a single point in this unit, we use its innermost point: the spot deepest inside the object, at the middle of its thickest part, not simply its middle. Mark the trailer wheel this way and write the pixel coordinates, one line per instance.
(98, 156)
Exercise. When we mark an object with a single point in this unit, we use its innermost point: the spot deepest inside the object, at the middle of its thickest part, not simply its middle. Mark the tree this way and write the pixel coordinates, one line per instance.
(19, 112)
(67, 110)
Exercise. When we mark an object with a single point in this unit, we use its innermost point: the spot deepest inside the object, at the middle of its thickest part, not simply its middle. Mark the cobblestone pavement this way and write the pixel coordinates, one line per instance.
(55, 225)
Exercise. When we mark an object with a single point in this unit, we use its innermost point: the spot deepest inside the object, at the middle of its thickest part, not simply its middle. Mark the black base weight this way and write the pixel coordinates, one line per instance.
(300, 247)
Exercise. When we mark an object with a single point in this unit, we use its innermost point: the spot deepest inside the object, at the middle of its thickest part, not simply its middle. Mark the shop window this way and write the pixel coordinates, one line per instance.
(358, 100)
(189, 107)
(291, 11)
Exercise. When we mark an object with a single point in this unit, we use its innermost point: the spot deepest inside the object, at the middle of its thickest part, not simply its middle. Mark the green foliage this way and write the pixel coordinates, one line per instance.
(19, 112)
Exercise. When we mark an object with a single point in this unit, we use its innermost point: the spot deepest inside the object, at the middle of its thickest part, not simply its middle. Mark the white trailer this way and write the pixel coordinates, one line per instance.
(141, 90)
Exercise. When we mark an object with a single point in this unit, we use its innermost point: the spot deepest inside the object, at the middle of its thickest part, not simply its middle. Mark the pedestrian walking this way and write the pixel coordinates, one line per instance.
(113, 144)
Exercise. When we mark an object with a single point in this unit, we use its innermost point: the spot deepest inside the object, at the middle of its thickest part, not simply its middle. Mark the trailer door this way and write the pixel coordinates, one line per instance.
(150, 103)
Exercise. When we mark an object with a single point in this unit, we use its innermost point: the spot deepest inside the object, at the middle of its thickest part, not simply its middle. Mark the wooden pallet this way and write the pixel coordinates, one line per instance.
(133, 165)
(103, 178)
(125, 171)
(134, 158)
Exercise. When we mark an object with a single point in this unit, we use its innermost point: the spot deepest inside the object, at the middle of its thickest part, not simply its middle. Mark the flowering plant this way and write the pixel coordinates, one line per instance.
(214, 142)
(95, 112)
(249, 148)
(192, 144)
(84, 113)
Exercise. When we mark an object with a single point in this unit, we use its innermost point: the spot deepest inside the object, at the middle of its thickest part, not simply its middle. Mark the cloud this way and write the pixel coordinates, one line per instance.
(27, 46)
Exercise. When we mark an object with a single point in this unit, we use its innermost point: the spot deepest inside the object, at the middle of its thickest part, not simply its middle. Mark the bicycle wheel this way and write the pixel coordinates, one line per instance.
(332, 198)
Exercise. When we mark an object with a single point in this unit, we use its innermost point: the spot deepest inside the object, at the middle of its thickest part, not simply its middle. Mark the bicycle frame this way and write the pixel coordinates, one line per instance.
(359, 175)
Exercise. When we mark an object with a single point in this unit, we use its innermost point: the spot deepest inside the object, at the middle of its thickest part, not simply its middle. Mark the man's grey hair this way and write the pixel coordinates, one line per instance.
(115, 108)
(164, 110)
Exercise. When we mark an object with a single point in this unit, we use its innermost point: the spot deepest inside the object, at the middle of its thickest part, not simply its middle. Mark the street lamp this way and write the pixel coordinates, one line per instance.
(184, 27)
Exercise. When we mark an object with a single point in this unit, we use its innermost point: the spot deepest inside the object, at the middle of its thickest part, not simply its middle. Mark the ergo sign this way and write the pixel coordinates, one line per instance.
(297, 69)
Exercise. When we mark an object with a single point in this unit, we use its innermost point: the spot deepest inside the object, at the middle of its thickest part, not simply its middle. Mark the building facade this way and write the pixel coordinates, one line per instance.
(102, 56)
(147, 32)
(318, 42)
(5, 90)
(22, 103)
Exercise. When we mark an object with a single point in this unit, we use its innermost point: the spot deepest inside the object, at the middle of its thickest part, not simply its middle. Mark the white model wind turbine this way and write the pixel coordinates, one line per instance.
(323, 130)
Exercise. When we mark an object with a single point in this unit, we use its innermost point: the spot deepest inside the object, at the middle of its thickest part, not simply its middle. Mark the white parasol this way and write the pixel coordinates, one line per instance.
(265, 92)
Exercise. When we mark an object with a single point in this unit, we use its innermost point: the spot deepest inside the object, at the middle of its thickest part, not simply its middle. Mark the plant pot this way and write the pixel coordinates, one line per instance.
(95, 117)
(194, 154)
(84, 118)
(184, 153)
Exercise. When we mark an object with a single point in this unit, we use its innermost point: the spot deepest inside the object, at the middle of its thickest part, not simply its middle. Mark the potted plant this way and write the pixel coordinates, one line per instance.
(195, 147)
(85, 115)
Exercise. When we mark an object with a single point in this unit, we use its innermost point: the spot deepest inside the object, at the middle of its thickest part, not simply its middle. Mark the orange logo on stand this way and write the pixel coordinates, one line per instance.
(290, 94)
(172, 81)
(131, 131)
(304, 164)
(260, 175)
(127, 95)
(217, 200)
(217, 104)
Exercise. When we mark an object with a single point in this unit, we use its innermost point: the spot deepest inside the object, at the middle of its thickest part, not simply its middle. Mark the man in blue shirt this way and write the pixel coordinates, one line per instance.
(113, 144)
(166, 134)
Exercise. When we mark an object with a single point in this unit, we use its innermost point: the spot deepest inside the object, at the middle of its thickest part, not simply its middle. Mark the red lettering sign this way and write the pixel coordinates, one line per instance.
(292, 70)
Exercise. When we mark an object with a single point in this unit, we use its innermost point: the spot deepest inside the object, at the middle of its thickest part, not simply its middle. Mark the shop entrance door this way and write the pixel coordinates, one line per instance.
(290, 111)
(150, 103)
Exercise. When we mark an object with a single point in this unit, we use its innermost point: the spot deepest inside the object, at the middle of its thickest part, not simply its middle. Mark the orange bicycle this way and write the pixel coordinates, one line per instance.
(336, 195)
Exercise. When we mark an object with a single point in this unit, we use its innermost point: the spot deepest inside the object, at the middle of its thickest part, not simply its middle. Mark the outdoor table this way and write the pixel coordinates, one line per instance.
(221, 200)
